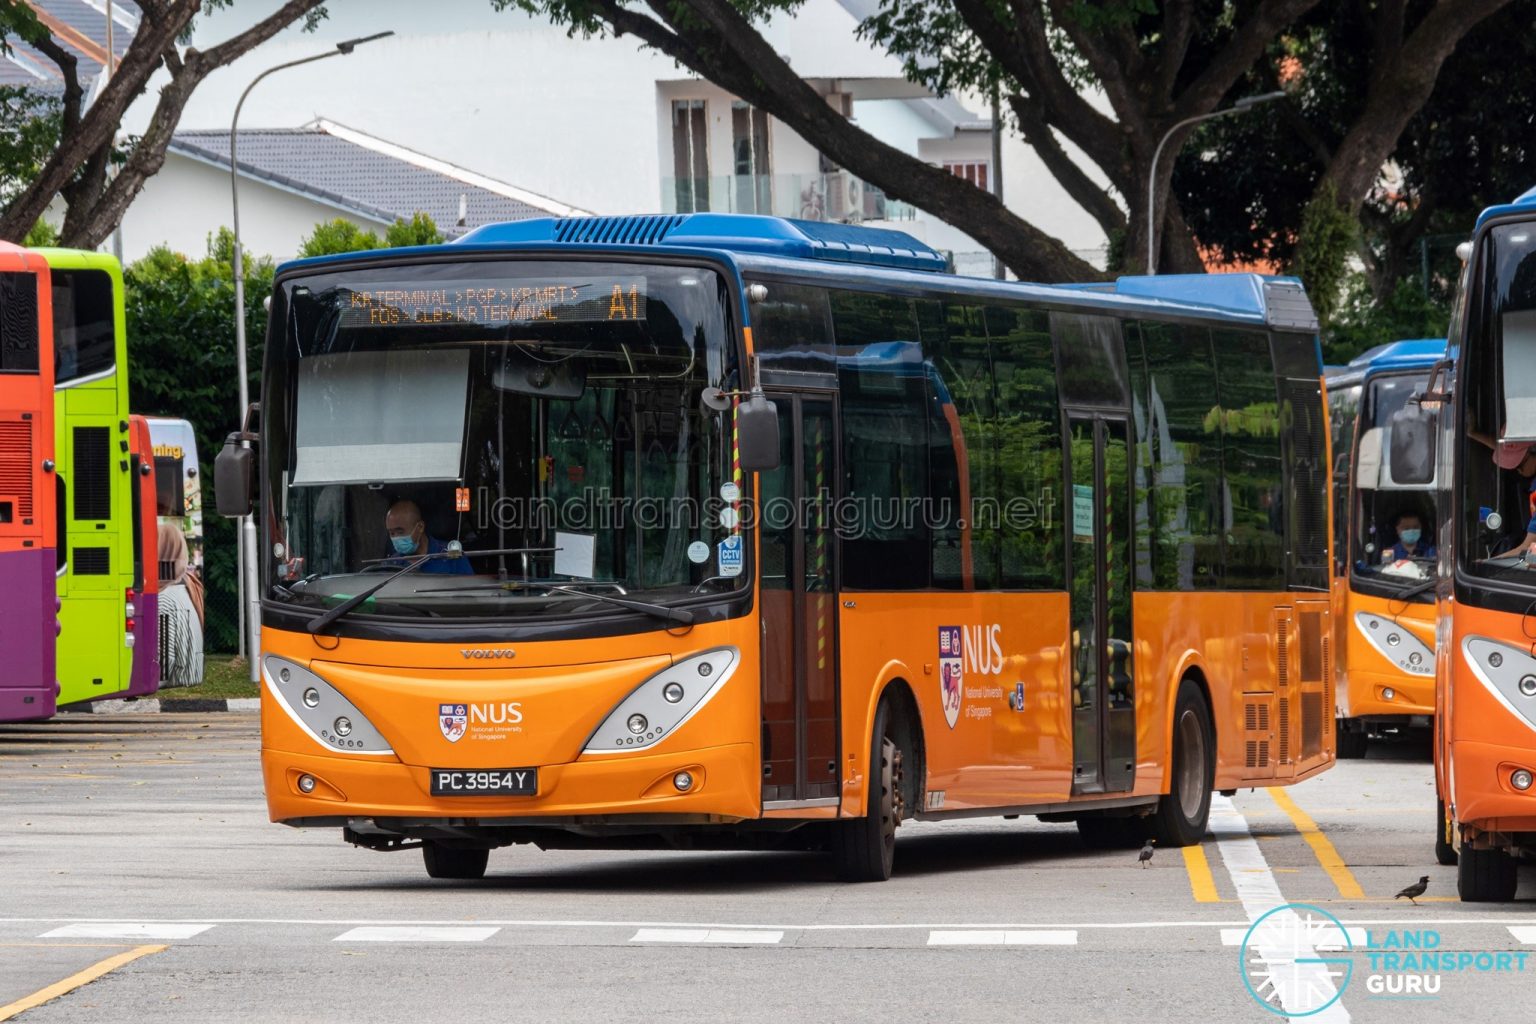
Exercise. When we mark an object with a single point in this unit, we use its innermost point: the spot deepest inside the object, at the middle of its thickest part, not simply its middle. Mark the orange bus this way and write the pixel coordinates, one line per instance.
(29, 504)
(735, 531)
(1384, 550)
(1485, 415)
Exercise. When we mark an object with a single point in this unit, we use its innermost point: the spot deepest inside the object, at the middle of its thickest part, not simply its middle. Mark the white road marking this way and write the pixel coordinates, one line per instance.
(1523, 933)
(722, 936)
(128, 930)
(1328, 938)
(1297, 975)
(415, 933)
(1004, 937)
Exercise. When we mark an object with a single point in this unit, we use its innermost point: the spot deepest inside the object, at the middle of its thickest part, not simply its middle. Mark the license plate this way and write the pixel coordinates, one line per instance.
(485, 782)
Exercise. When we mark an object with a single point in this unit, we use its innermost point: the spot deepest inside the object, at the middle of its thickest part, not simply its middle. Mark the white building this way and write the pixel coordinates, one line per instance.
(596, 125)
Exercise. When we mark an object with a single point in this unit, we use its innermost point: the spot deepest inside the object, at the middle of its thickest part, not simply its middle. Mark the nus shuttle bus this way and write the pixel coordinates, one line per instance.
(1384, 549)
(28, 530)
(97, 546)
(719, 530)
(1485, 753)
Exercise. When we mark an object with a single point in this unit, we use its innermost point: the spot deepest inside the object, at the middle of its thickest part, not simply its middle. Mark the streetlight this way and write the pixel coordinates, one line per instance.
(250, 602)
(1246, 103)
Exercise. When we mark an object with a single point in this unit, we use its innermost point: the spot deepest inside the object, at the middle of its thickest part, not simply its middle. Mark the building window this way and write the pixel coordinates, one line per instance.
(690, 154)
(750, 152)
(974, 171)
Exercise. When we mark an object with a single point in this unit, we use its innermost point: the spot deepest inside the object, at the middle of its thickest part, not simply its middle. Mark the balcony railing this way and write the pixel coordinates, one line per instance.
(838, 196)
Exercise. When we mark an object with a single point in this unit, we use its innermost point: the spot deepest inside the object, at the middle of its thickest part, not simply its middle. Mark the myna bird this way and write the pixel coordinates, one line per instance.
(1146, 854)
(1415, 890)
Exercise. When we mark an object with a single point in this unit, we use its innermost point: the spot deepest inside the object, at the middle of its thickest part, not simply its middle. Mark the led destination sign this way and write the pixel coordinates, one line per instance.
(496, 304)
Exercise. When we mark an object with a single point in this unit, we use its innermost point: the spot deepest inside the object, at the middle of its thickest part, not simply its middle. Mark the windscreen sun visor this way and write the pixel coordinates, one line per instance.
(1519, 329)
(370, 417)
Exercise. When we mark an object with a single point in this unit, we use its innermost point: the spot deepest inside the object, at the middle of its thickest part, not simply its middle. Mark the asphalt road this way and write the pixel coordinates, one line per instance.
(135, 851)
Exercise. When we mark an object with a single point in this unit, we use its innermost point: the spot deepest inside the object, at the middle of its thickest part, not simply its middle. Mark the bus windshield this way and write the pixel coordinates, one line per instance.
(1392, 534)
(544, 418)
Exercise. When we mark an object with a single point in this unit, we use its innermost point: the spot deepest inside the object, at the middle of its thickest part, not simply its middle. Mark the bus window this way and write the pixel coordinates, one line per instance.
(1251, 472)
(1029, 449)
(83, 327)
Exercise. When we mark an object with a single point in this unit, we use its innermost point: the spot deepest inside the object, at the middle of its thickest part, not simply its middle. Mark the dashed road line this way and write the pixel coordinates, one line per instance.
(415, 933)
(1328, 936)
(1327, 856)
(1201, 883)
(128, 930)
(717, 936)
(1004, 937)
(1523, 933)
(74, 981)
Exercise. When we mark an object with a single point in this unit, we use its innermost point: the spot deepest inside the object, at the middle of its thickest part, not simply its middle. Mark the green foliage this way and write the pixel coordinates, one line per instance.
(30, 123)
(1364, 322)
(419, 230)
(337, 236)
(181, 356)
(42, 235)
(1327, 240)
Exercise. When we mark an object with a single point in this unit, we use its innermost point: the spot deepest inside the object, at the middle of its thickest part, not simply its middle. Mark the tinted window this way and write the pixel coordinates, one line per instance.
(1183, 422)
(18, 323)
(968, 449)
(82, 323)
(1029, 449)
(1141, 455)
(1092, 359)
(1255, 498)
(791, 329)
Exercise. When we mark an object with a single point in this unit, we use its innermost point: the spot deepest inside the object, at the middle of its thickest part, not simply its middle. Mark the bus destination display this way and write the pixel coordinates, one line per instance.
(496, 304)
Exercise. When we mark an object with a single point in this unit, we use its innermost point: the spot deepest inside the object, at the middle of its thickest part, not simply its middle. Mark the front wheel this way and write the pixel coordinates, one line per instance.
(1485, 876)
(454, 862)
(1182, 814)
(864, 848)
(1353, 741)
(1445, 853)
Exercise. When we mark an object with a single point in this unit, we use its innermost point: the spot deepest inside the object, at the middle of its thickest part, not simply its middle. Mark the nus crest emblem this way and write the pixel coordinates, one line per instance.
(453, 719)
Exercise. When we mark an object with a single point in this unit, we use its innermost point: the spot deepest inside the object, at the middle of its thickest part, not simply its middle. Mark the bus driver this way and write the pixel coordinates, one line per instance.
(408, 538)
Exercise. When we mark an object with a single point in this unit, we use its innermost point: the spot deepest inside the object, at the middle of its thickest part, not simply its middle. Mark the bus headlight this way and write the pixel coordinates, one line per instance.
(658, 706)
(317, 707)
(1521, 779)
(1397, 644)
(1507, 672)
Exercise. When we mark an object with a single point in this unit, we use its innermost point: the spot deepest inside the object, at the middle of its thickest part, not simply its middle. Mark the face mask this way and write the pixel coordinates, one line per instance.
(1409, 537)
(403, 545)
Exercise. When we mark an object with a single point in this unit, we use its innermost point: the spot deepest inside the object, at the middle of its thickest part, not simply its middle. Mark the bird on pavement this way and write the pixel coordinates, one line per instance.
(1146, 853)
(1414, 890)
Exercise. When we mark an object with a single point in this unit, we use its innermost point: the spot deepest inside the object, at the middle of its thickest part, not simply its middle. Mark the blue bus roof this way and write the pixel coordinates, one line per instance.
(1411, 354)
(870, 255)
(1525, 203)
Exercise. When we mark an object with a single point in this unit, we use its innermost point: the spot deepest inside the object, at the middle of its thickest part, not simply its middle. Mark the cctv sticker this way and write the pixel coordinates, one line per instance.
(728, 553)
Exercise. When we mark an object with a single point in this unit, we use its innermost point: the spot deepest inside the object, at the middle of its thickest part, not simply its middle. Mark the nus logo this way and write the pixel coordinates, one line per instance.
(504, 713)
(485, 652)
(983, 649)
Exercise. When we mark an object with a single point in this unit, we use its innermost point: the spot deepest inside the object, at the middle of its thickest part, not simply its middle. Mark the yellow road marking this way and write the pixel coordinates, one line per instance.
(74, 981)
(1201, 883)
(1327, 856)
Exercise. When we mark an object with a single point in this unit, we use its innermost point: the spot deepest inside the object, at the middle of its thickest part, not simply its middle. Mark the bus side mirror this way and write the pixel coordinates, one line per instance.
(757, 429)
(234, 473)
(1412, 457)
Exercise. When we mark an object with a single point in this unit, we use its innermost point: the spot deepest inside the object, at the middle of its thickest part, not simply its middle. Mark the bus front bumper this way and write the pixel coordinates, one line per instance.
(1411, 695)
(1484, 795)
(725, 787)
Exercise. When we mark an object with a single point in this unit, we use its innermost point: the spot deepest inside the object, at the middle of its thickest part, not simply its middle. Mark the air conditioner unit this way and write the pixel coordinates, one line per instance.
(845, 197)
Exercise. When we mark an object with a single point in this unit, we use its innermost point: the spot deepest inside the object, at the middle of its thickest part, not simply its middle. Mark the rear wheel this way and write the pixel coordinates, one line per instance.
(1353, 740)
(1445, 853)
(1182, 814)
(1485, 876)
(454, 862)
(864, 848)
(1123, 833)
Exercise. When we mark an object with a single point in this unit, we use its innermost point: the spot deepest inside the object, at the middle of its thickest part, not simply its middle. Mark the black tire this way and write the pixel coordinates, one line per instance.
(1182, 814)
(1123, 833)
(864, 848)
(1353, 742)
(1485, 876)
(453, 861)
(1445, 853)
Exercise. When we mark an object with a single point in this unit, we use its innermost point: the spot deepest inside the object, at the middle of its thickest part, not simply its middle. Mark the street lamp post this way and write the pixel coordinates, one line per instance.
(250, 634)
(1246, 103)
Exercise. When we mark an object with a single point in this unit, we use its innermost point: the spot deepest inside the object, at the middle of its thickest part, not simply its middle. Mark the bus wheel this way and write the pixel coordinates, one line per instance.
(864, 848)
(1445, 853)
(1103, 833)
(1182, 814)
(453, 861)
(1485, 876)
(1353, 740)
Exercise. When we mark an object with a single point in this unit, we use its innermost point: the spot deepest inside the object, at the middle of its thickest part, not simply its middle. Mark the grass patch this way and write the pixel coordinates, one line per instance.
(225, 676)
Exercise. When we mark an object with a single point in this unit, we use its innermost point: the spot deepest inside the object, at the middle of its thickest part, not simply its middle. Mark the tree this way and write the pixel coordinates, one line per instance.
(77, 165)
(340, 235)
(182, 363)
(1156, 64)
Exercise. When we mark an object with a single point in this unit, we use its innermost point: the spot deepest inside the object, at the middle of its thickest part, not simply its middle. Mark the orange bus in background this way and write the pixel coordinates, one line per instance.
(29, 504)
(1384, 549)
(709, 530)
(1485, 751)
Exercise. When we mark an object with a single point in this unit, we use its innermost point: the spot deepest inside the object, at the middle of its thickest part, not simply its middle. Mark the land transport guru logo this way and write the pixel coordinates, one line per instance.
(1297, 960)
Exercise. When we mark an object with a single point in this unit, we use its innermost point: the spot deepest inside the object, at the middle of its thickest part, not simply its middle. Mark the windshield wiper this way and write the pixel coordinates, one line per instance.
(681, 616)
(1415, 591)
(453, 550)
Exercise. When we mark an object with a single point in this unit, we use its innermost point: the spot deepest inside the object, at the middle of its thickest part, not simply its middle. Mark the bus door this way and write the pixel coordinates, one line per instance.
(799, 606)
(1102, 677)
